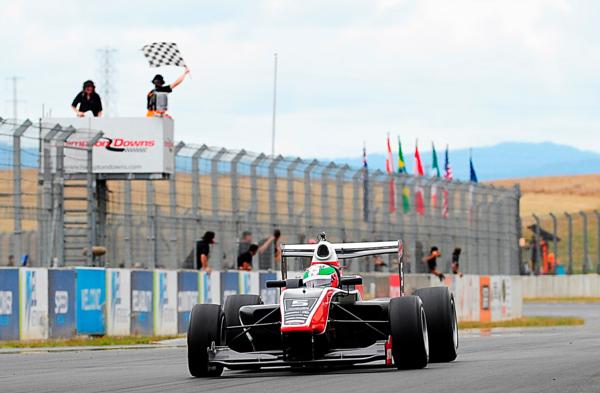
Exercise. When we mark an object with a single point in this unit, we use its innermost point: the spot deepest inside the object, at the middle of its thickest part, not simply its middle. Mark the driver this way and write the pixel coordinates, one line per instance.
(321, 275)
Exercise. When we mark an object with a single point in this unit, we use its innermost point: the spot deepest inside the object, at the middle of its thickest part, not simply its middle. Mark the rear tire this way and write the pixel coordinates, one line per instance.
(232, 306)
(441, 323)
(408, 326)
(207, 326)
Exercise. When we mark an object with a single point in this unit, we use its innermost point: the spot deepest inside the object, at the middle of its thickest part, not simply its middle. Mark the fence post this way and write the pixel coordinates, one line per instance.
(150, 229)
(554, 237)
(308, 221)
(254, 186)
(586, 262)
(273, 189)
(356, 216)
(214, 177)
(46, 176)
(291, 208)
(175, 255)
(90, 187)
(339, 197)
(538, 249)
(570, 244)
(372, 223)
(597, 214)
(128, 222)
(235, 187)
(325, 196)
(16, 158)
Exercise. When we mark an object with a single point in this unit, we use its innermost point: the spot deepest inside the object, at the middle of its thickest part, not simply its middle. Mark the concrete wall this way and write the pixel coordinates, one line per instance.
(579, 285)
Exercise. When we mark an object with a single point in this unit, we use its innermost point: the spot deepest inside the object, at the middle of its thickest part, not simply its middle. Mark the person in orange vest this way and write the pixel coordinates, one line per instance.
(157, 102)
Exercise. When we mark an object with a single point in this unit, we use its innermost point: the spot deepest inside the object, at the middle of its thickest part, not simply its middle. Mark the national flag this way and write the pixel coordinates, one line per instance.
(419, 201)
(389, 167)
(402, 169)
(473, 177)
(435, 172)
(448, 177)
(365, 185)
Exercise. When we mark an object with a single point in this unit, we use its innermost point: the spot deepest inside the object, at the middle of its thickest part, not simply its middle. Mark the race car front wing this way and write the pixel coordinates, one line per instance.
(224, 356)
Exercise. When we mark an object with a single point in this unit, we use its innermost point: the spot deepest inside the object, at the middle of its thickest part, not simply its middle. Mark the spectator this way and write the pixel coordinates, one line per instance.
(156, 106)
(245, 242)
(378, 263)
(11, 261)
(244, 261)
(87, 100)
(431, 261)
(455, 265)
(270, 256)
(203, 250)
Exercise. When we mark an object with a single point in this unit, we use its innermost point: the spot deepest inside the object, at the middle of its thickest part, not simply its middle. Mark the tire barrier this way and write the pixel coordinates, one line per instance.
(39, 303)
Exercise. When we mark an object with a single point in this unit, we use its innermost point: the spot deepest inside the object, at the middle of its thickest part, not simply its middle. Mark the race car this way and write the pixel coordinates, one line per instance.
(321, 320)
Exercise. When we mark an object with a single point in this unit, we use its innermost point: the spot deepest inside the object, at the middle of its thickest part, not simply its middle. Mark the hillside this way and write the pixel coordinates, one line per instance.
(502, 161)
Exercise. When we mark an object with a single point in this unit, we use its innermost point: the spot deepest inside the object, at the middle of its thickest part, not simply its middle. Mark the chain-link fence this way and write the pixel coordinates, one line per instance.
(561, 243)
(155, 223)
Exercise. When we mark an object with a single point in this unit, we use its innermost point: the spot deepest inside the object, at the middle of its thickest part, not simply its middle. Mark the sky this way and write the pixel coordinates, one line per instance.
(463, 73)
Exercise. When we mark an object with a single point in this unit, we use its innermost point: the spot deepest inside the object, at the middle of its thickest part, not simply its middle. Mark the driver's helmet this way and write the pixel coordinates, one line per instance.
(321, 275)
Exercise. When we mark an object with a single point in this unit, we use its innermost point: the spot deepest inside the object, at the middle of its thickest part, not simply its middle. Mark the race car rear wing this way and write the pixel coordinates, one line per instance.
(345, 250)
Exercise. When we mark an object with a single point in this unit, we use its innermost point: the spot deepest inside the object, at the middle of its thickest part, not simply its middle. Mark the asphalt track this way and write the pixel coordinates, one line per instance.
(540, 360)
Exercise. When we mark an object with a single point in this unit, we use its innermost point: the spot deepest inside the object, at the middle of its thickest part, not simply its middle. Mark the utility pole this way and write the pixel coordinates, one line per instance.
(274, 105)
(107, 87)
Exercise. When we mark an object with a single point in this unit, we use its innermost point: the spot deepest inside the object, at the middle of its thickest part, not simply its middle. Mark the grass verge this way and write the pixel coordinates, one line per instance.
(561, 300)
(95, 341)
(524, 322)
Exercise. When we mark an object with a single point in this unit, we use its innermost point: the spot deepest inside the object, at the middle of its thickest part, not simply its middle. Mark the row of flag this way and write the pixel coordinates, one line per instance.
(419, 201)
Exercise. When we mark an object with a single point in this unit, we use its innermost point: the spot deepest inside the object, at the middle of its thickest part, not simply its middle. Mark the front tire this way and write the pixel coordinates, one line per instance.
(441, 323)
(408, 326)
(207, 326)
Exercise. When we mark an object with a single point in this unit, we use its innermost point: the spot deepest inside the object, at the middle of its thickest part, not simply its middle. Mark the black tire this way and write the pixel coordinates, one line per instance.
(207, 325)
(231, 308)
(441, 323)
(408, 326)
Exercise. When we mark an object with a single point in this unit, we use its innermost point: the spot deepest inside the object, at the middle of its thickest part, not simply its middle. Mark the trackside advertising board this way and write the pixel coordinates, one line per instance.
(165, 302)
(129, 144)
(142, 317)
(9, 304)
(230, 285)
(33, 299)
(248, 283)
(61, 303)
(187, 297)
(91, 300)
(209, 287)
(118, 302)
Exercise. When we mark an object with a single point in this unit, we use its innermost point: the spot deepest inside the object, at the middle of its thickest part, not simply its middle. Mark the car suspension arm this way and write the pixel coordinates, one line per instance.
(358, 319)
(246, 328)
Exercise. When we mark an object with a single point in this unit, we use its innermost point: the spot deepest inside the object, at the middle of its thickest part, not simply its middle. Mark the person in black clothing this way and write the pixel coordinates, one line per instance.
(154, 107)
(431, 261)
(203, 250)
(244, 261)
(455, 262)
(87, 100)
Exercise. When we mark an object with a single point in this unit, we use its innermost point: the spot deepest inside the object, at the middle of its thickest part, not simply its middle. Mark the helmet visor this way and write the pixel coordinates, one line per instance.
(319, 283)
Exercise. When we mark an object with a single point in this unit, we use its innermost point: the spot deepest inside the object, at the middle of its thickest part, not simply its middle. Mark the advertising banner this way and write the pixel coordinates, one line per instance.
(394, 282)
(142, 316)
(187, 297)
(33, 288)
(230, 285)
(118, 302)
(209, 287)
(61, 303)
(165, 302)
(501, 297)
(249, 283)
(268, 295)
(91, 300)
(9, 304)
(129, 144)
(485, 299)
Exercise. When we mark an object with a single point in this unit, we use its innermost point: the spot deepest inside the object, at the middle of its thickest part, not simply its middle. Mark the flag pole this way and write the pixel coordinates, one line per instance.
(274, 104)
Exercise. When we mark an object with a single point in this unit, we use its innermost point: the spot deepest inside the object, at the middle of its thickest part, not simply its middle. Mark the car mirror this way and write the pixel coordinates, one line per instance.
(352, 280)
(275, 283)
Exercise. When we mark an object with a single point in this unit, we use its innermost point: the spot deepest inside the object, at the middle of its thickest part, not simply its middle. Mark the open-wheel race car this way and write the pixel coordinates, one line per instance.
(321, 320)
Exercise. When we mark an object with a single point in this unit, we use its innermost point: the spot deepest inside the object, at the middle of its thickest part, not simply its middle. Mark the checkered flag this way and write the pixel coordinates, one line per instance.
(162, 54)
